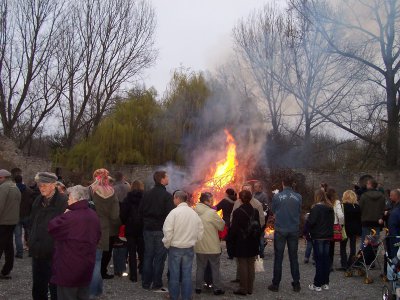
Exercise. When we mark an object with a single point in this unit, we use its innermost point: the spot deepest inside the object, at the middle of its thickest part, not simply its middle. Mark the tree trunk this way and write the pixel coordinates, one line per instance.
(392, 142)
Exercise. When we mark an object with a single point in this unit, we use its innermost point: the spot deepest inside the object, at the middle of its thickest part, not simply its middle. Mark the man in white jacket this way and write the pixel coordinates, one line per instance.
(208, 249)
(182, 229)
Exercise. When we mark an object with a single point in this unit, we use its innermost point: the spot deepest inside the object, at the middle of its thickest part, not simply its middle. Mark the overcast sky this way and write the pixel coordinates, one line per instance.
(195, 34)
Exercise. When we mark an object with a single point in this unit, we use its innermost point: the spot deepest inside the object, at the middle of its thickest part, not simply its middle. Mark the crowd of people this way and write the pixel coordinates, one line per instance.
(142, 229)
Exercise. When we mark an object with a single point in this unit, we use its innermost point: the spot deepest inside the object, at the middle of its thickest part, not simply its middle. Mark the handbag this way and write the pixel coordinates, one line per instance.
(337, 232)
(259, 265)
(223, 234)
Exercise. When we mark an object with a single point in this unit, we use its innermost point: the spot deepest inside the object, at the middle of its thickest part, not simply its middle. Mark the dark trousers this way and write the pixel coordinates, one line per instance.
(322, 262)
(208, 276)
(7, 247)
(343, 255)
(280, 240)
(70, 293)
(106, 257)
(135, 245)
(41, 274)
(246, 273)
(350, 259)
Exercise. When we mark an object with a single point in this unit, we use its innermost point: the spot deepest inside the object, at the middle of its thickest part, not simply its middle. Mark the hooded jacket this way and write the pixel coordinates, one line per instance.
(212, 223)
(372, 204)
(108, 211)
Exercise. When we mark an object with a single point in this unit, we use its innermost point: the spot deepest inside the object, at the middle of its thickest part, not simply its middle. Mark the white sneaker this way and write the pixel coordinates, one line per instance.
(314, 288)
(325, 287)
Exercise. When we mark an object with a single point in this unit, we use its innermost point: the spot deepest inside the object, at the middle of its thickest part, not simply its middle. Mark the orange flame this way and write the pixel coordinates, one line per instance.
(269, 232)
(223, 173)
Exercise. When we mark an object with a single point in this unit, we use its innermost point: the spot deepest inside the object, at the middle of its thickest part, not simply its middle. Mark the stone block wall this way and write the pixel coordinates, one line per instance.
(343, 180)
(11, 157)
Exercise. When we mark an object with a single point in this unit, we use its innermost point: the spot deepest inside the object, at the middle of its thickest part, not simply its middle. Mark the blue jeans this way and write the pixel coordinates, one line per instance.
(322, 262)
(96, 285)
(309, 247)
(280, 240)
(19, 247)
(177, 258)
(120, 256)
(154, 259)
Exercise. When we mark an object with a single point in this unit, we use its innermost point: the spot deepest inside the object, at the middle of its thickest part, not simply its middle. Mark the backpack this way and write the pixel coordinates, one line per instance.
(253, 229)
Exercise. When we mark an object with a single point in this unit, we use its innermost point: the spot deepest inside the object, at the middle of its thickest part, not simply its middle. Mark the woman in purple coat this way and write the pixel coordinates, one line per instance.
(76, 234)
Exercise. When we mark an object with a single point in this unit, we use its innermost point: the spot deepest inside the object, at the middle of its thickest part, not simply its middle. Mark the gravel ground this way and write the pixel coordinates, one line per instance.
(19, 288)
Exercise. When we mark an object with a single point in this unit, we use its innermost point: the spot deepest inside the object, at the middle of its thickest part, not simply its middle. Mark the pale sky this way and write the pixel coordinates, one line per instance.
(195, 34)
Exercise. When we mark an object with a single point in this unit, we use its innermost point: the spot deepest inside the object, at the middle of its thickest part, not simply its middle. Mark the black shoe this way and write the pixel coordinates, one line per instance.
(341, 269)
(273, 288)
(5, 277)
(296, 287)
(133, 279)
(235, 281)
(219, 292)
(198, 291)
(107, 276)
(240, 292)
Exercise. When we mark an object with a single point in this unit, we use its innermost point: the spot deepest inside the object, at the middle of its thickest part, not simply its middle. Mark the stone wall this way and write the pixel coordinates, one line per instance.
(11, 157)
(343, 180)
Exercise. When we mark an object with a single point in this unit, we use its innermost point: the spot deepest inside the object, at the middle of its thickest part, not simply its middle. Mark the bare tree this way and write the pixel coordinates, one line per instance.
(258, 40)
(369, 31)
(103, 45)
(288, 55)
(27, 90)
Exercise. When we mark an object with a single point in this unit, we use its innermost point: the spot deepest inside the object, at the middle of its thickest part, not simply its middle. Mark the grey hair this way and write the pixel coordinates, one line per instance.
(79, 192)
(397, 191)
(181, 195)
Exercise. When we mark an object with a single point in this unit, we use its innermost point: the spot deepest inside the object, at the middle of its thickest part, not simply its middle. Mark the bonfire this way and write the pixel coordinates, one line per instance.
(220, 175)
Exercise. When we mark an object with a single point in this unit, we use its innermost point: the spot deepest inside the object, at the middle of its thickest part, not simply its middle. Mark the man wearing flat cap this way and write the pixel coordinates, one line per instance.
(49, 204)
(10, 199)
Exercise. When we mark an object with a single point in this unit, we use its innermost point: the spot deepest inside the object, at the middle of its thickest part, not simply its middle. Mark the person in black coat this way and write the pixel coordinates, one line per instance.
(245, 247)
(154, 208)
(130, 217)
(48, 205)
(352, 222)
(226, 205)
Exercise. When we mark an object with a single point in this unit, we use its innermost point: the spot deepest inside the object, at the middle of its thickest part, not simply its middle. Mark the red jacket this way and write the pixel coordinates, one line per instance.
(76, 234)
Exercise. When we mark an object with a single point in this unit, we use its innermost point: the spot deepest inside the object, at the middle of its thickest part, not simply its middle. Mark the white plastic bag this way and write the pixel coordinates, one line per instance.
(259, 265)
